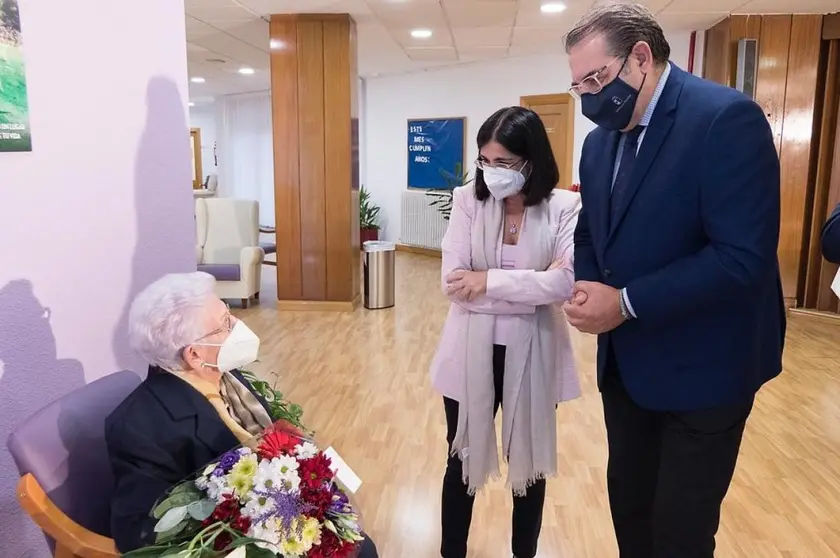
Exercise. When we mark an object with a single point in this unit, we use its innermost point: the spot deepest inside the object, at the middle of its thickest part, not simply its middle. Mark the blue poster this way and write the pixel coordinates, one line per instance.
(435, 152)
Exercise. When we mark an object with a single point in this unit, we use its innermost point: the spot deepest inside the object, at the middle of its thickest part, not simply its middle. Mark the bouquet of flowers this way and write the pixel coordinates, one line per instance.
(274, 496)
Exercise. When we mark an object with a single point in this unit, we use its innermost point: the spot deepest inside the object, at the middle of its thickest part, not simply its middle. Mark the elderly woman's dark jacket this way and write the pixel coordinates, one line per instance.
(163, 432)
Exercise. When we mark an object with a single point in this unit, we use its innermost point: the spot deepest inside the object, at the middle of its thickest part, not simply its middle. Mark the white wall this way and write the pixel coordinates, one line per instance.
(100, 208)
(474, 91)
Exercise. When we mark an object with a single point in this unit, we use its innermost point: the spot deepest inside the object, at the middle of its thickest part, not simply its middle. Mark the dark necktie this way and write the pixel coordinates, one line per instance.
(625, 171)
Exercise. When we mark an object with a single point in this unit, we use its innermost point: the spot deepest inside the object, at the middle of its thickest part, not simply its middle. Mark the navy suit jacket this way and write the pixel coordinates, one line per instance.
(831, 237)
(695, 246)
(162, 433)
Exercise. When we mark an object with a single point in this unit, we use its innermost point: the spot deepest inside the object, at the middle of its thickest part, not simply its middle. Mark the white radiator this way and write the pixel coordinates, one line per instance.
(421, 224)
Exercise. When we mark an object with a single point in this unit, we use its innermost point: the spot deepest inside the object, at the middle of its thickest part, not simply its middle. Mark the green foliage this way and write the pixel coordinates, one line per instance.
(368, 211)
(279, 407)
(442, 199)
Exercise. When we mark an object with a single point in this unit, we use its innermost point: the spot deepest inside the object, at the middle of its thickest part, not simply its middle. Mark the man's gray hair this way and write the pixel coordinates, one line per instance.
(168, 315)
(622, 25)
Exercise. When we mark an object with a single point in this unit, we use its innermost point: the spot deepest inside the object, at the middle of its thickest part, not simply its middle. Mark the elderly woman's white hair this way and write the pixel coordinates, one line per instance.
(168, 315)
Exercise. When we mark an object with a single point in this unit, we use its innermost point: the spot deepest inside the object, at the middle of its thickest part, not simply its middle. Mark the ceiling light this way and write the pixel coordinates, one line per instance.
(421, 33)
(192, 104)
(198, 80)
(553, 7)
(246, 71)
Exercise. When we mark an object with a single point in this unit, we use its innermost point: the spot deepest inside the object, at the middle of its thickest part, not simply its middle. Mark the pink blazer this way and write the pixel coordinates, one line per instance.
(508, 291)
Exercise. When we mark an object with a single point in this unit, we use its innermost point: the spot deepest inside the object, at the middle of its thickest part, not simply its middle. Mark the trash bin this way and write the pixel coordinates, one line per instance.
(379, 274)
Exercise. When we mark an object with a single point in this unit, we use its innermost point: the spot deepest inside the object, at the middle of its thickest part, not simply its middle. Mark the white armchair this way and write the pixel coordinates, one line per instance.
(227, 237)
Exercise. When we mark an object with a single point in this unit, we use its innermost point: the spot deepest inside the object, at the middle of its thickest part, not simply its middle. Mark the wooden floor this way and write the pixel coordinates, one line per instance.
(362, 379)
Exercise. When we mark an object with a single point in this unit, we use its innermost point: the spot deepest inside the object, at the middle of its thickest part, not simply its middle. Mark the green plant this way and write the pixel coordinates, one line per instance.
(279, 407)
(368, 211)
(442, 199)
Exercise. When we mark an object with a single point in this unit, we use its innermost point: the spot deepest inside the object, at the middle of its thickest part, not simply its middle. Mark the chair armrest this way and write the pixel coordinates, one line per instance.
(251, 256)
(66, 532)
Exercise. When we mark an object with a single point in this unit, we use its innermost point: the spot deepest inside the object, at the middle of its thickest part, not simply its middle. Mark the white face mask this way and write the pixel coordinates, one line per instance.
(503, 183)
(240, 348)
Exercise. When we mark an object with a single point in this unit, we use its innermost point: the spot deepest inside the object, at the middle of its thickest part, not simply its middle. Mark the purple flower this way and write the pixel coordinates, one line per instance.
(287, 506)
(227, 462)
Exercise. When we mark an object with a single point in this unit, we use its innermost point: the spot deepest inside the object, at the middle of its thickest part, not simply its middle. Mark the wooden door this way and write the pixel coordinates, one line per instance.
(557, 112)
(195, 143)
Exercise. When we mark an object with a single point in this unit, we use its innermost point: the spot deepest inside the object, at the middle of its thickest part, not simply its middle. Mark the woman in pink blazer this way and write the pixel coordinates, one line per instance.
(507, 261)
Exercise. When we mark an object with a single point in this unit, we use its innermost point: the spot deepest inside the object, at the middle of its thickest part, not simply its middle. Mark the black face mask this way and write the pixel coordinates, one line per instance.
(612, 107)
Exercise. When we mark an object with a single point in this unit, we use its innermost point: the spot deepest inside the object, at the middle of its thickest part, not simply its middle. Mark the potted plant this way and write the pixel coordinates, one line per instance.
(368, 217)
(442, 199)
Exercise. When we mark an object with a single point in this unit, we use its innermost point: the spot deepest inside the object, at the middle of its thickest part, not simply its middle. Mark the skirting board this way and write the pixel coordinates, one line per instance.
(317, 305)
(816, 315)
(430, 252)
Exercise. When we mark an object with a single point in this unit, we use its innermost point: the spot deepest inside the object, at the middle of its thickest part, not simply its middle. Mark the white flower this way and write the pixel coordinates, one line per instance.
(201, 483)
(268, 534)
(287, 469)
(217, 489)
(209, 470)
(306, 450)
(269, 476)
(258, 506)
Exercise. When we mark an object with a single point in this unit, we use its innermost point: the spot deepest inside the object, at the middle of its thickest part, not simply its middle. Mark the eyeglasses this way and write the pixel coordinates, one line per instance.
(227, 325)
(592, 84)
(482, 164)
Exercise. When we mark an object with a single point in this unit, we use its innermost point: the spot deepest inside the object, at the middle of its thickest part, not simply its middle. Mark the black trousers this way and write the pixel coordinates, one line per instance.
(668, 472)
(457, 504)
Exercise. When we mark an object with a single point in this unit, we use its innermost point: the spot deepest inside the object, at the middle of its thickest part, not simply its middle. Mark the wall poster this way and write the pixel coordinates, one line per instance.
(14, 104)
(435, 152)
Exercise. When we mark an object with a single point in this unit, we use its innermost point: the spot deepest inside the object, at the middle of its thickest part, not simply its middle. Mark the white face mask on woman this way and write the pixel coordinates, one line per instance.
(503, 182)
(241, 347)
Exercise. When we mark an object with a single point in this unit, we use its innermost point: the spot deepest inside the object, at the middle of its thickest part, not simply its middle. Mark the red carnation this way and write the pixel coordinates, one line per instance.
(317, 501)
(331, 547)
(275, 443)
(223, 540)
(314, 472)
(241, 524)
(227, 510)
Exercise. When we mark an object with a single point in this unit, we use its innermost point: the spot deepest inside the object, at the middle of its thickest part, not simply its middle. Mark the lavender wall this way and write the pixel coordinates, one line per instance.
(101, 207)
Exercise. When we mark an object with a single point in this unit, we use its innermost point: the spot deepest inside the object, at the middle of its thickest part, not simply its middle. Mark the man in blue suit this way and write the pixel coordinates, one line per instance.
(676, 269)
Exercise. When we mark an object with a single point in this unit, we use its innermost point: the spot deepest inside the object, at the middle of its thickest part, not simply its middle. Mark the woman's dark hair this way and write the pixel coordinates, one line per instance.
(520, 131)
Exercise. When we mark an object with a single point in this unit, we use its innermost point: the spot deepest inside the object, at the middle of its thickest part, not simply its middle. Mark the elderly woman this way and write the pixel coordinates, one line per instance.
(194, 405)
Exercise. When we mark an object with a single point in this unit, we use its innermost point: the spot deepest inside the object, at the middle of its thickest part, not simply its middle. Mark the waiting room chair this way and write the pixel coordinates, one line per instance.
(66, 480)
(228, 246)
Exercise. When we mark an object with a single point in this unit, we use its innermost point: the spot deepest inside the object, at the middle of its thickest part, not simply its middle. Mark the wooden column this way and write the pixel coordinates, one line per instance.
(314, 100)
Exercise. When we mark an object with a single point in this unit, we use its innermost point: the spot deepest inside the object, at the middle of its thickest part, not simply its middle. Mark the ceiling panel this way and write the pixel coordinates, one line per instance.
(483, 53)
(444, 54)
(692, 6)
(416, 13)
(476, 37)
(480, 13)
(440, 37)
(688, 21)
(790, 6)
(254, 32)
(541, 36)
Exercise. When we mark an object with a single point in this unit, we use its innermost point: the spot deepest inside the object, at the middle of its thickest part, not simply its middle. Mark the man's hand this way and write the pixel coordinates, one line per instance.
(466, 285)
(594, 308)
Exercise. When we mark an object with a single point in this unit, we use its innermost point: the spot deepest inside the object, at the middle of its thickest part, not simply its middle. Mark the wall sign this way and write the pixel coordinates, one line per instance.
(14, 103)
(435, 151)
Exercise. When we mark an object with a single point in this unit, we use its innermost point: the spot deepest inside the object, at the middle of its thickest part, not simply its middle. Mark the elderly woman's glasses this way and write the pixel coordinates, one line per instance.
(592, 84)
(227, 325)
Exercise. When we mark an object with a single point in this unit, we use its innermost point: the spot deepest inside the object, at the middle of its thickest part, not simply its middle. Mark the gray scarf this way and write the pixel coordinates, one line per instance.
(243, 405)
(529, 430)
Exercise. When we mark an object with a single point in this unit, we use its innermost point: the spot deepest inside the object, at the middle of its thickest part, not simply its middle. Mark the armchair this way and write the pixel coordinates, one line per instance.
(227, 237)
